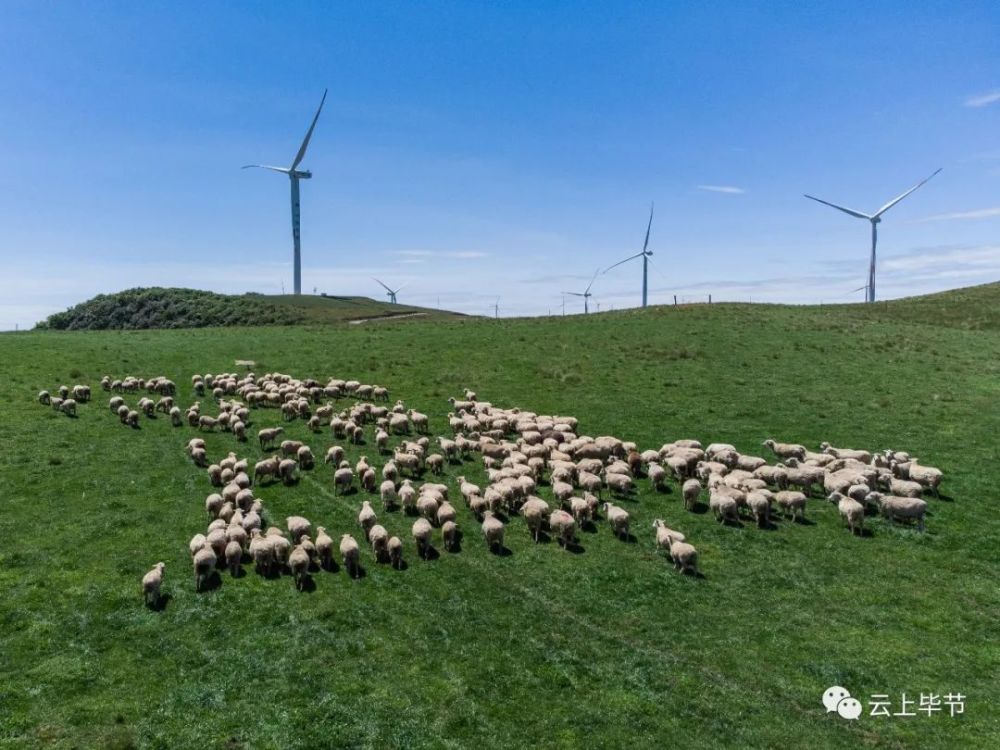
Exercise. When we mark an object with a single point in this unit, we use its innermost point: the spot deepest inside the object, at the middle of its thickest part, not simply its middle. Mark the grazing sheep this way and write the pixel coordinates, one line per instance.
(657, 476)
(387, 491)
(266, 468)
(896, 508)
(215, 475)
(286, 470)
(206, 421)
(420, 421)
(793, 503)
(563, 526)
(535, 511)
(786, 450)
(175, 417)
(760, 506)
(334, 455)
(691, 490)
(204, 564)
(422, 530)
(620, 484)
(449, 535)
(492, 531)
(367, 517)
(435, 462)
(198, 455)
(619, 520)
(378, 537)
(324, 547)
(297, 527)
(901, 487)
(446, 512)
(407, 494)
(45, 398)
(239, 429)
(350, 553)
(343, 479)
(395, 547)
(683, 555)
(234, 557)
(68, 407)
(298, 561)
(851, 511)
(724, 507)
(580, 509)
(928, 476)
(268, 436)
(261, 551)
(151, 583)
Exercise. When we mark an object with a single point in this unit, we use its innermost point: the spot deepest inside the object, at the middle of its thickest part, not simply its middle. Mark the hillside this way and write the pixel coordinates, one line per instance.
(159, 307)
(604, 645)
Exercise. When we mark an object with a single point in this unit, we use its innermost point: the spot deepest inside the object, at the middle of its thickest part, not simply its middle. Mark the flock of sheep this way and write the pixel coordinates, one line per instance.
(521, 452)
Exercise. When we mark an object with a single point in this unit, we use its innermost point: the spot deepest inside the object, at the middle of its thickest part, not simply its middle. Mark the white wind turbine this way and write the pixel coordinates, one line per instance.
(586, 292)
(390, 293)
(875, 219)
(295, 175)
(645, 255)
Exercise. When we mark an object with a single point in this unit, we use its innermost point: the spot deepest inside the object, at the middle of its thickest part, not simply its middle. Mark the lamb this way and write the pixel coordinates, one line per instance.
(395, 547)
(449, 535)
(324, 547)
(350, 553)
(793, 503)
(367, 517)
(234, 557)
(297, 526)
(268, 436)
(896, 508)
(563, 526)
(691, 490)
(151, 583)
(422, 530)
(851, 511)
(204, 564)
(298, 561)
(535, 511)
(619, 520)
(493, 531)
(786, 450)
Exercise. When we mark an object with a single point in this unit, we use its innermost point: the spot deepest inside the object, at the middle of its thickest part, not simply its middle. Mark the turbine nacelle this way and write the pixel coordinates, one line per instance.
(302, 175)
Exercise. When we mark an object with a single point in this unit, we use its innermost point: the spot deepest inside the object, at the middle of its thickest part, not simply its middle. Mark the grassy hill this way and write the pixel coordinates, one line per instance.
(158, 307)
(605, 648)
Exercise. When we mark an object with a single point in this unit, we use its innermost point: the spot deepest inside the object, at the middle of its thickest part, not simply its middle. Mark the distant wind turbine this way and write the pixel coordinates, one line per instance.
(496, 309)
(586, 292)
(390, 293)
(645, 254)
(295, 175)
(875, 219)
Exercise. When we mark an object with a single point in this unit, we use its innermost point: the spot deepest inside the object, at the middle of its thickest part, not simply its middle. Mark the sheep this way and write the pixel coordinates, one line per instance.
(204, 564)
(267, 436)
(895, 508)
(196, 543)
(235, 532)
(683, 555)
(446, 512)
(793, 503)
(261, 551)
(266, 468)
(420, 421)
(324, 547)
(422, 530)
(343, 479)
(580, 509)
(215, 475)
(395, 548)
(427, 506)
(151, 583)
(786, 450)
(657, 476)
(206, 421)
(535, 511)
(298, 561)
(619, 520)
(662, 534)
(334, 455)
(286, 470)
(618, 483)
(367, 517)
(290, 447)
(368, 479)
(435, 462)
(68, 407)
(492, 531)
(378, 537)
(449, 535)
(760, 506)
(387, 491)
(407, 494)
(858, 455)
(563, 525)
(901, 487)
(234, 556)
(297, 526)
(851, 511)
(724, 507)
(691, 490)
(44, 398)
(928, 476)
(350, 553)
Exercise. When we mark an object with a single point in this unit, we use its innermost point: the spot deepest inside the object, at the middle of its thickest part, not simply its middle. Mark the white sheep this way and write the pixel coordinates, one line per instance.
(297, 526)
(901, 508)
(446, 512)
(234, 557)
(724, 506)
(618, 518)
(298, 561)
(786, 450)
(395, 548)
(343, 479)
(851, 511)
(535, 511)
(204, 565)
(324, 547)
(449, 535)
(151, 583)
(690, 491)
(792, 502)
(367, 517)
(378, 537)
(422, 530)
(492, 531)
(563, 525)
(350, 553)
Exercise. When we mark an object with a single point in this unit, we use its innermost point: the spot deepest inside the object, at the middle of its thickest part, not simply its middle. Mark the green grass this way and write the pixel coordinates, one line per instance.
(608, 648)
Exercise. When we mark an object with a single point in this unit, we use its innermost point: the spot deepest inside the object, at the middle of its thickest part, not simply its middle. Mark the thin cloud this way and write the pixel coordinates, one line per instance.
(982, 100)
(727, 189)
(982, 213)
(463, 254)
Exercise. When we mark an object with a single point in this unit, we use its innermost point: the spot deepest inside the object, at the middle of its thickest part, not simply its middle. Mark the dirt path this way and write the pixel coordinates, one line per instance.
(386, 317)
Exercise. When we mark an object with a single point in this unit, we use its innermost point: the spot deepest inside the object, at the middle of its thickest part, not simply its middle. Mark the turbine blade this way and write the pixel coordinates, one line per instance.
(894, 201)
(305, 141)
(648, 227)
(283, 170)
(381, 284)
(402, 287)
(849, 211)
(631, 257)
(587, 290)
(575, 294)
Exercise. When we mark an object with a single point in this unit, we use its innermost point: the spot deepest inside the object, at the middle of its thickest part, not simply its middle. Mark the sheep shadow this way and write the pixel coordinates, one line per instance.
(399, 565)
(431, 553)
(664, 489)
(768, 525)
(803, 521)
(738, 524)
(943, 498)
(588, 527)
(330, 566)
(864, 533)
(543, 538)
(574, 548)
(241, 572)
(160, 604)
(501, 551)
(212, 583)
(629, 538)
(308, 585)
(699, 508)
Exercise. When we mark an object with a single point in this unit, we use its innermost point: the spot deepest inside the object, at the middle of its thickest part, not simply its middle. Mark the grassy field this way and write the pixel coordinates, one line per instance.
(606, 648)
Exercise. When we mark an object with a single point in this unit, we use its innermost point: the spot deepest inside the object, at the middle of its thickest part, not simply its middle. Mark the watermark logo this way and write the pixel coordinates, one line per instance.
(838, 699)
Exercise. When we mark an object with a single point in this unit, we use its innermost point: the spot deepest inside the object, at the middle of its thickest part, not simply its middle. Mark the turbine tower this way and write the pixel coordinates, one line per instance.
(295, 174)
(875, 219)
(390, 293)
(585, 293)
(645, 255)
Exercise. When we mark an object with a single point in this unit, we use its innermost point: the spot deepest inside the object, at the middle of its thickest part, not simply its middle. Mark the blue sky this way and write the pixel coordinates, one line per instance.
(472, 149)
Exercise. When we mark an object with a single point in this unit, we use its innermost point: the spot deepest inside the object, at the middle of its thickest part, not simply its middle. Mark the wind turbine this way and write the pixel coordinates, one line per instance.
(645, 255)
(586, 292)
(390, 293)
(875, 219)
(496, 309)
(295, 174)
